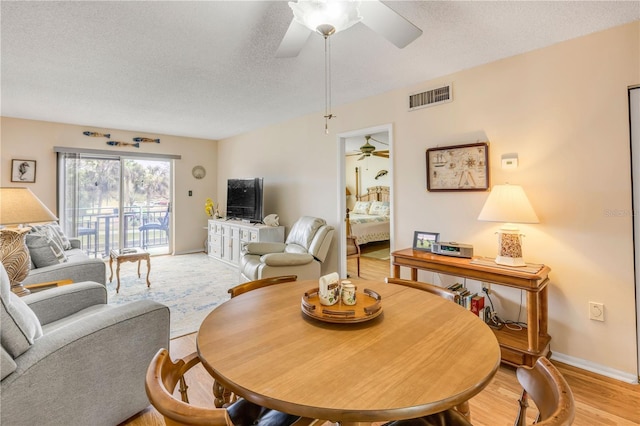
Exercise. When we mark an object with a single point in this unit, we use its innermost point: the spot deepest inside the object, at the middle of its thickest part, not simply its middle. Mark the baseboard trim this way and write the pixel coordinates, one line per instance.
(199, 250)
(595, 368)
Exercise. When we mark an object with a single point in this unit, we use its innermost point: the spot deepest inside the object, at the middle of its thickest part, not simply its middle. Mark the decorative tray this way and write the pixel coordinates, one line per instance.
(367, 307)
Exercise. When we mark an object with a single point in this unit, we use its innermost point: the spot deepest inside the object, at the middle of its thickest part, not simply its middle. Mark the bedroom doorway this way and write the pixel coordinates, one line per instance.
(366, 190)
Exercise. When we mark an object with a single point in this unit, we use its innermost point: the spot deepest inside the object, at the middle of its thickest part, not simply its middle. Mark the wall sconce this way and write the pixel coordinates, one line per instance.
(508, 204)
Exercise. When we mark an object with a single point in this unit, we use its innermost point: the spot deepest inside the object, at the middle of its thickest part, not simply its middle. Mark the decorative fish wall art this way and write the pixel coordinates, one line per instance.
(146, 140)
(118, 143)
(381, 173)
(97, 135)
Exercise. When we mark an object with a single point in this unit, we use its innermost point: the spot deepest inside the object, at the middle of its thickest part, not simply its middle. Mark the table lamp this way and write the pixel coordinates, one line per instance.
(19, 206)
(509, 204)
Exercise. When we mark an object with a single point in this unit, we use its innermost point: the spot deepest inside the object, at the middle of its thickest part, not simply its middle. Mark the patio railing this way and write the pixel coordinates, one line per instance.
(98, 229)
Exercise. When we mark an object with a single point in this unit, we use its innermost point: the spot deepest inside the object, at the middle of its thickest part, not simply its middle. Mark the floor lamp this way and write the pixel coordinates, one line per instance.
(509, 204)
(19, 206)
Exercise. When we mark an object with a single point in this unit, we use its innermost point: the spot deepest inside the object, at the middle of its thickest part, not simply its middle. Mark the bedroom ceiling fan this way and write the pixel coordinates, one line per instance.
(328, 17)
(367, 150)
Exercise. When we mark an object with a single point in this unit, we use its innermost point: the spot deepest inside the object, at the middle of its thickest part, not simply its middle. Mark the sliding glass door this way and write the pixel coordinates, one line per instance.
(112, 202)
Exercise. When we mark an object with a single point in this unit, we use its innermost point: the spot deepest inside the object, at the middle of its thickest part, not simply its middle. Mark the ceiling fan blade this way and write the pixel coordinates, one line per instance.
(293, 41)
(362, 158)
(388, 23)
(384, 154)
(376, 140)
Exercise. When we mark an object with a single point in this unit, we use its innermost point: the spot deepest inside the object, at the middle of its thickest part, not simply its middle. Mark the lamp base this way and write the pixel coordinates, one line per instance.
(510, 261)
(509, 246)
(14, 256)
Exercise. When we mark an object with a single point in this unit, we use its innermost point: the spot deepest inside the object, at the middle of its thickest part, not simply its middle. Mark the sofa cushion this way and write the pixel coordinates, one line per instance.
(304, 230)
(45, 247)
(7, 364)
(20, 326)
(286, 259)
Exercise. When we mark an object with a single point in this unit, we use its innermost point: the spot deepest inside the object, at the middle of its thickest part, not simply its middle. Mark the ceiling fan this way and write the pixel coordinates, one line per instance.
(367, 150)
(330, 16)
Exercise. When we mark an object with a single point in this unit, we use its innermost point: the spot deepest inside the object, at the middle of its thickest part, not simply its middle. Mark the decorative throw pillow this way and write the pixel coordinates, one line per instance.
(20, 326)
(44, 248)
(55, 232)
(380, 208)
(361, 207)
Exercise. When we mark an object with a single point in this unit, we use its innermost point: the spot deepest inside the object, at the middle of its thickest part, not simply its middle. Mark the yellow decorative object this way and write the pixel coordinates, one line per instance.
(209, 207)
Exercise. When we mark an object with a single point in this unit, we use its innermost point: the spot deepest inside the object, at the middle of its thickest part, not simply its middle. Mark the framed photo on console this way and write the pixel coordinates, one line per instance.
(23, 171)
(423, 240)
(458, 168)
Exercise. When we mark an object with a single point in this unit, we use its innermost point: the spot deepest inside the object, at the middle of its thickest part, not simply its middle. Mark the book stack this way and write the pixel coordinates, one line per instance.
(471, 301)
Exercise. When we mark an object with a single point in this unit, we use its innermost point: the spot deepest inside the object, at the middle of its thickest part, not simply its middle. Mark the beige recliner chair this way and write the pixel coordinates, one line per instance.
(301, 254)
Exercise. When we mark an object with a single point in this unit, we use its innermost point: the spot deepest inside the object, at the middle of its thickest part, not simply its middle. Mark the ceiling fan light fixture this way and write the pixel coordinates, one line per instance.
(317, 15)
(367, 148)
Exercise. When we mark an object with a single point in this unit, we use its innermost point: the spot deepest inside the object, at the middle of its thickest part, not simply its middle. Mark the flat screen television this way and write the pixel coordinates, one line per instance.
(244, 199)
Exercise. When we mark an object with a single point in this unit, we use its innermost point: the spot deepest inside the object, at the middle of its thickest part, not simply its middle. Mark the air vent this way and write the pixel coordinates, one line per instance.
(432, 97)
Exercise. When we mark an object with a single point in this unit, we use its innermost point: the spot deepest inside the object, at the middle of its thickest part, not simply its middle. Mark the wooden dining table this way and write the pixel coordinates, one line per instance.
(421, 355)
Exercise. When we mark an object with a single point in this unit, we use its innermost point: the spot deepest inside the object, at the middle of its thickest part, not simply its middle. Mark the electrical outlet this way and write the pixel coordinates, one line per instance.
(596, 311)
(486, 288)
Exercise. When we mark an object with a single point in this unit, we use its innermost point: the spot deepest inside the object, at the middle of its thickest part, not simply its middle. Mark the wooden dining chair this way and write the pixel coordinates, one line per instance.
(550, 392)
(163, 375)
(264, 282)
(439, 291)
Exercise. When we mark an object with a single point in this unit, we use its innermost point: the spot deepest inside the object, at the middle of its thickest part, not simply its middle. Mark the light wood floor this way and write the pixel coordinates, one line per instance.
(599, 400)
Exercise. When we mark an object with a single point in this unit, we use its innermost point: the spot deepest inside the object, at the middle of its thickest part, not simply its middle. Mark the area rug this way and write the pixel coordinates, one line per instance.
(383, 254)
(191, 285)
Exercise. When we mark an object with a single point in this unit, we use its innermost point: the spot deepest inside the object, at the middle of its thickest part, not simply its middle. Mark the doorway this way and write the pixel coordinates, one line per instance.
(366, 189)
(112, 202)
(634, 122)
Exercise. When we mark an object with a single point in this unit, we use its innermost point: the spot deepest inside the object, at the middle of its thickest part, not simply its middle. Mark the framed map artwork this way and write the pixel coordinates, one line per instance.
(458, 168)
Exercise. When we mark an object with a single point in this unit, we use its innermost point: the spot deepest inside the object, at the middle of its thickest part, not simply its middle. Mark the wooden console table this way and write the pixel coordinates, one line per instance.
(518, 347)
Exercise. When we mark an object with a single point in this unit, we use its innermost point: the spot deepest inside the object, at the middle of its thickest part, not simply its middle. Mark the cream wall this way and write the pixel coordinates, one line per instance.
(563, 110)
(34, 140)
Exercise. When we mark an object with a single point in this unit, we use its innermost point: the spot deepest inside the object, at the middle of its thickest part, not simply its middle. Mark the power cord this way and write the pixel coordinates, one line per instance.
(491, 318)
(494, 321)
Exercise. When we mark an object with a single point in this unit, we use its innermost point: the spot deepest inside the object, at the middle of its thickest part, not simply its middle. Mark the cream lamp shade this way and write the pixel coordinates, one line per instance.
(19, 206)
(508, 204)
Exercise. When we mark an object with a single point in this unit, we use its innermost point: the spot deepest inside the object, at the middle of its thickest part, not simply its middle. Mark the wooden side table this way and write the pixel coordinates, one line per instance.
(128, 255)
(518, 347)
(46, 285)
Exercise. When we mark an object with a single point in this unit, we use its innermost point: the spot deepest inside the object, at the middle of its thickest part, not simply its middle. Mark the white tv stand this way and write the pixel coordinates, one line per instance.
(226, 237)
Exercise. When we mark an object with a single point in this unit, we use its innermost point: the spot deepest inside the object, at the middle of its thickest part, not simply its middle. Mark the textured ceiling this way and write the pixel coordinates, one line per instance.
(208, 69)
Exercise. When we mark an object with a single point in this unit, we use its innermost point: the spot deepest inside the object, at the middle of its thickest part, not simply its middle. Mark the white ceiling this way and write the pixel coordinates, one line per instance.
(208, 69)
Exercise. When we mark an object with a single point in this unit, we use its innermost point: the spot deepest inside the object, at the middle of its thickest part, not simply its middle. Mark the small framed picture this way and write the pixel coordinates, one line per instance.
(423, 240)
(23, 171)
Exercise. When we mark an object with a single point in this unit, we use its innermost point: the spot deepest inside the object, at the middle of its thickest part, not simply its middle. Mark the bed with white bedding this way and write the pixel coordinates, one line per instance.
(369, 220)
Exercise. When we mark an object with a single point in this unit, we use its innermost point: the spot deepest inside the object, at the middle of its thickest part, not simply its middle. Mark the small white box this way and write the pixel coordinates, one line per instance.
(510, 163)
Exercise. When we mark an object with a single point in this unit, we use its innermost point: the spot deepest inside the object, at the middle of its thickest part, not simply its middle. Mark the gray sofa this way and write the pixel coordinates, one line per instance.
(78, 267)
(68, 358)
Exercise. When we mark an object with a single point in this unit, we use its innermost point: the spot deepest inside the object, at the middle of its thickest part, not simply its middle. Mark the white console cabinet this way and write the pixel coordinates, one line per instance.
(226, 237)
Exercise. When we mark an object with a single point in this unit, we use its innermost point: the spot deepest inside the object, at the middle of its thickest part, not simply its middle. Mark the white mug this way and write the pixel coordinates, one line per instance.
(348, 293)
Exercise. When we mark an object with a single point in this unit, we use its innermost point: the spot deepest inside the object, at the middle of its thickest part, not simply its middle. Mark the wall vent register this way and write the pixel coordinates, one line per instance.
(432, 97)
